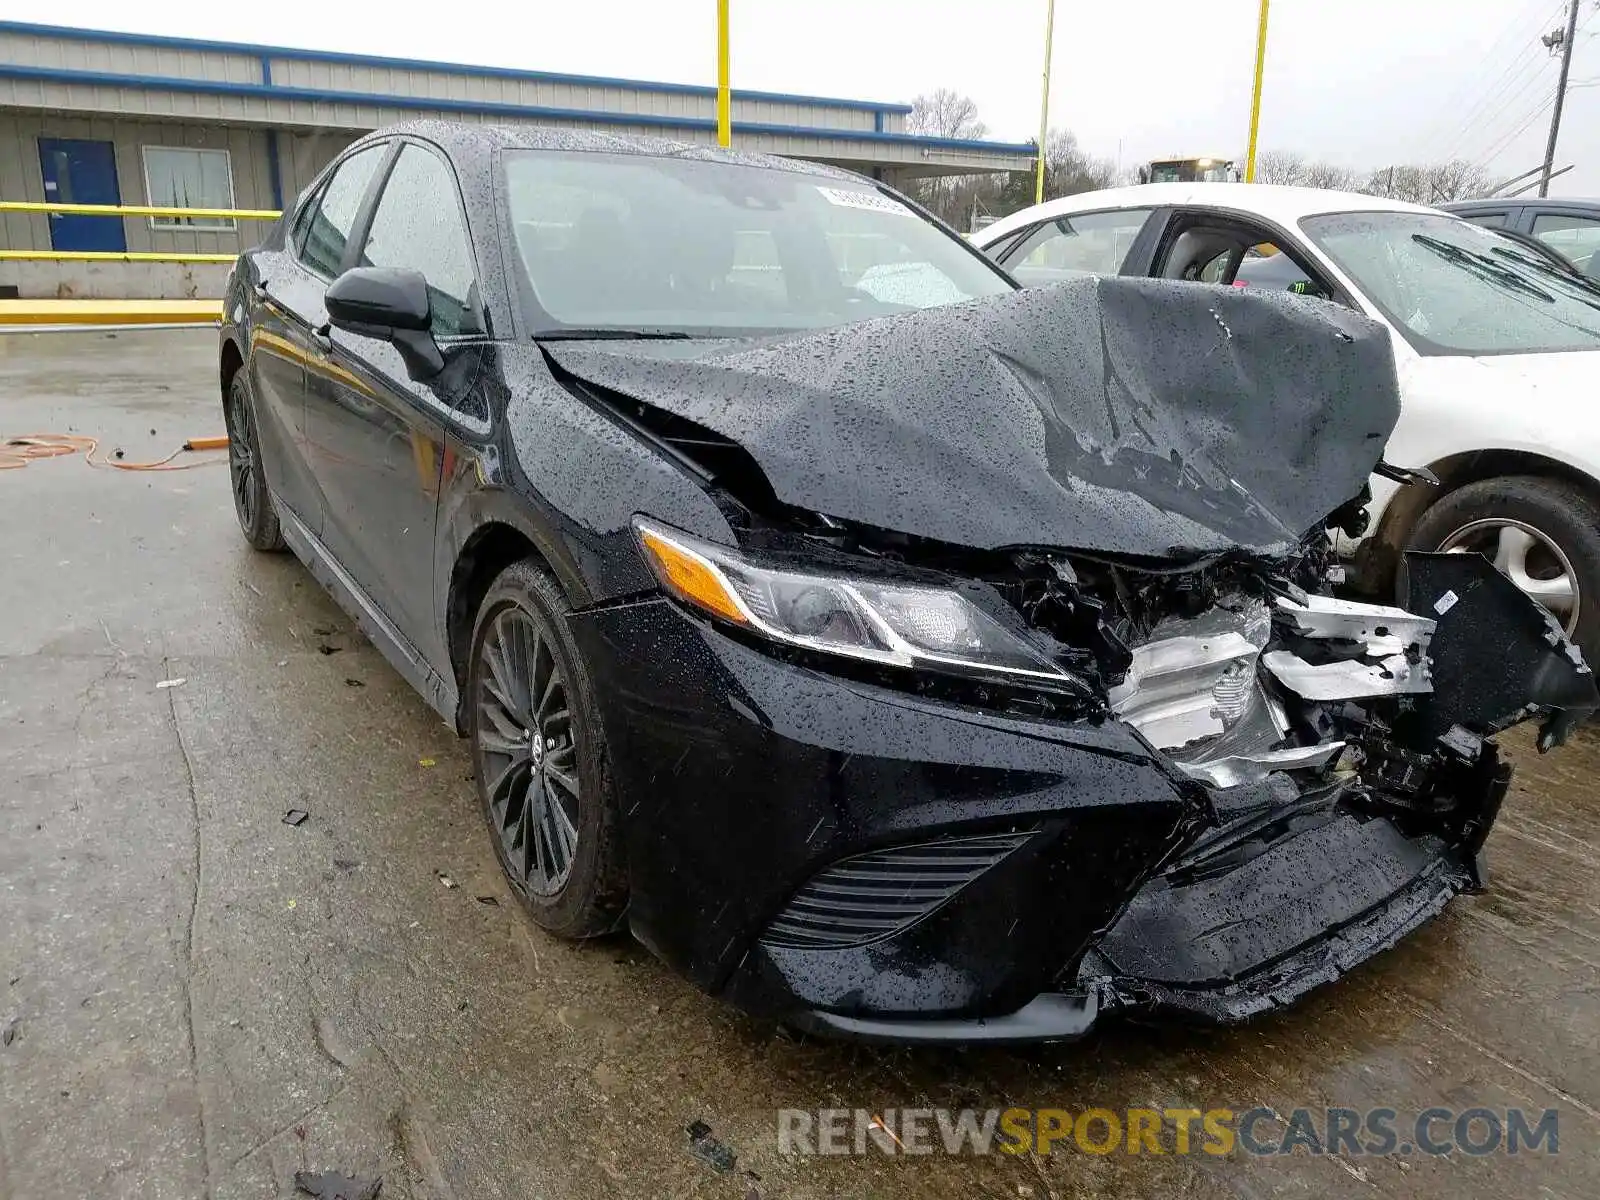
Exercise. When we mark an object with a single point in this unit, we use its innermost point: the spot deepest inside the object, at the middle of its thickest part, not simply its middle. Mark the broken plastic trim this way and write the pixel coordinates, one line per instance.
(1349, 679)
(1381, 629)
(1244, 768)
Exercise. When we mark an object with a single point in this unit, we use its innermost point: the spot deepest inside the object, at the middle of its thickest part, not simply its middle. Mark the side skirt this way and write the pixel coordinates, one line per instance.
(439, 692)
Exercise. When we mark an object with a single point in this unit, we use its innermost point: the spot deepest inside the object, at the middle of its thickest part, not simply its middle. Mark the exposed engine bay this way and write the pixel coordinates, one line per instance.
(1254, 680)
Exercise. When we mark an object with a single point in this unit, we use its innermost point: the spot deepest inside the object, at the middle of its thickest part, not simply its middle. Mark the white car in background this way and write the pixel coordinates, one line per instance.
(1494, 346)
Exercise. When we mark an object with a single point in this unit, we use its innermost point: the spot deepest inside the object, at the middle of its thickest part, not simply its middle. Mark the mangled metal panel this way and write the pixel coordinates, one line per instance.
(1129, 416)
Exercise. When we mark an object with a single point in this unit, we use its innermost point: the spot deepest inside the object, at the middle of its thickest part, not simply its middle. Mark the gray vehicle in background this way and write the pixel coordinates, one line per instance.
(1569, 227)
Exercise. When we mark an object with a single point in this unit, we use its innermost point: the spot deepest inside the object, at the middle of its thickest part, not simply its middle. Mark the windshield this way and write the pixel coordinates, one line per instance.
(1456, 288)
(625, 242)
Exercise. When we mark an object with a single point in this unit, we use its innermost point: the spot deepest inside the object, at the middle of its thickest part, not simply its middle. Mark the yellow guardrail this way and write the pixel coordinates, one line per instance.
(60, 314)
(138, 210)
(114, 256)
(128, 210)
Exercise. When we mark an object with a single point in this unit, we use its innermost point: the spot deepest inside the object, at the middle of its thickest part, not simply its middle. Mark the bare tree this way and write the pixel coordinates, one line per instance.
(1287, 167)
(1069, 169)
(1437, 183)
(1280, 166)
(945, 113)
(1427, 183)
(1326, 175)
(957, 199)
(1456, 180)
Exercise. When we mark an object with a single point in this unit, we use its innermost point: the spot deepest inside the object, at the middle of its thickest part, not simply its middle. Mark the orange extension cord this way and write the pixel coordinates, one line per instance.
(17, 452)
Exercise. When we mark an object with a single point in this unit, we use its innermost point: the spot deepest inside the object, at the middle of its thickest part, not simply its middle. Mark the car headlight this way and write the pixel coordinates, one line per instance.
(898, 624)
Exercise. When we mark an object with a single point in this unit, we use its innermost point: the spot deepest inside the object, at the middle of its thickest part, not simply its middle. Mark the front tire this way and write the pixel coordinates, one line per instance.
(1545, 535)
(540, 758)
(252, 503)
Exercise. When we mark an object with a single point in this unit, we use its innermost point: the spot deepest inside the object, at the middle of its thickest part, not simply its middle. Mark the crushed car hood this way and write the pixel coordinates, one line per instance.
(1126, 416)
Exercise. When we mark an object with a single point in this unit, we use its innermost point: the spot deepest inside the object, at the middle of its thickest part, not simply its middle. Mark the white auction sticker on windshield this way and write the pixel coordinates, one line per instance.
(871, 201)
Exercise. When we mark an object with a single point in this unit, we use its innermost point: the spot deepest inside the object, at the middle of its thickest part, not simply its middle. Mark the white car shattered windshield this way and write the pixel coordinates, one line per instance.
(1455, 288)
(618, 242)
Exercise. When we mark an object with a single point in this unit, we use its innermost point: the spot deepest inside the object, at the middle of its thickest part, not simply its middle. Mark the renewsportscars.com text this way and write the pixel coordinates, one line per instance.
(1258, 1131)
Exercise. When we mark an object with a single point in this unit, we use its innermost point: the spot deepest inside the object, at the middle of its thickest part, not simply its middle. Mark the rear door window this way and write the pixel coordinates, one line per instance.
(1073, 244)
(1575, 236)
(335, 213)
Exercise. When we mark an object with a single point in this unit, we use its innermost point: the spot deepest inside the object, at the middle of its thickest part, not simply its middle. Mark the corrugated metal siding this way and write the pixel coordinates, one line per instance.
(247, 66)
(302, 154)
(73, 55)
(21, 178)
(358, 118)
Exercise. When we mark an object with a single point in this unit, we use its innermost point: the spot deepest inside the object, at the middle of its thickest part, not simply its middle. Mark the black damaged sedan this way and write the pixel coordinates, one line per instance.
(896, 653)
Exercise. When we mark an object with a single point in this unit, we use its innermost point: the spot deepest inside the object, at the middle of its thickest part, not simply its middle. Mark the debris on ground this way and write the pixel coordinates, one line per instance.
(490, 901)
(354, 683)
(8, 1031)
(330, 1185)
(295, 816)
(446, 880)
(706, 1148)
(172, 683)
(324, 648)
(427, 762)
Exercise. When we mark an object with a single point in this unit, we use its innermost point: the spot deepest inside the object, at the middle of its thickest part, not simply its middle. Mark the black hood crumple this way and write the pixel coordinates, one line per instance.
(1120, 416)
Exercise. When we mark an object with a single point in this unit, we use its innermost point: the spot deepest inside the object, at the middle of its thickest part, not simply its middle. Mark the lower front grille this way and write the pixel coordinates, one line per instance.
(859, 900)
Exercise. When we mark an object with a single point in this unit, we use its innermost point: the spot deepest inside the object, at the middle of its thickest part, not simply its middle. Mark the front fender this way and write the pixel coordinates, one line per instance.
(564, 476)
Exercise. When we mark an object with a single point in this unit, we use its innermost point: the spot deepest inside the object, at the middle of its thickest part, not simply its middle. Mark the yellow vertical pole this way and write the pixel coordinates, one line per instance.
(1044, 99)
(724, 100)
(1255, 96)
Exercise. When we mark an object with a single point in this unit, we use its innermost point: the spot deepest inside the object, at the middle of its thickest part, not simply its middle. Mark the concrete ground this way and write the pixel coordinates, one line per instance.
(203, 999)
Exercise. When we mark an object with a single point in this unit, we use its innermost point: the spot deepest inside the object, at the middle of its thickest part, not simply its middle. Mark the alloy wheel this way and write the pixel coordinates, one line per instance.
(1528, 557)
(528, 757)
(242, 458)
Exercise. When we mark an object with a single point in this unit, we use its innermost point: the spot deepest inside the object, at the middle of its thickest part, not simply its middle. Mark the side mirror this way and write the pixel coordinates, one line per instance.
(390, 304)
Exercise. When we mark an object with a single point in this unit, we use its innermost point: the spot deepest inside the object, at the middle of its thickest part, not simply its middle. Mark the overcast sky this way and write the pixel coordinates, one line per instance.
(1362, 83)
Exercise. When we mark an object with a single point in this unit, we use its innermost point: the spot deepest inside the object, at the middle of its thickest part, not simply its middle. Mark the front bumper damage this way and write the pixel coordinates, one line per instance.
(1279, 792)
(1251, 786)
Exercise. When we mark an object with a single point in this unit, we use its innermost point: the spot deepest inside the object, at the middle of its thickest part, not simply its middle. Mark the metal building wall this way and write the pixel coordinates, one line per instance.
(21, 178)
(48, 68)
(292, 111)
(413, 81)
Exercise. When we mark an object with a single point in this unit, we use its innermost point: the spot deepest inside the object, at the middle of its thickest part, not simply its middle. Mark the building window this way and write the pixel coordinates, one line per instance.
(182, 178)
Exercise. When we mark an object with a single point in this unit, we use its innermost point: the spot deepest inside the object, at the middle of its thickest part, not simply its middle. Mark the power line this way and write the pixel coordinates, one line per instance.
(1487, 96)
(1504, 143)
(1485, 131)
(1464, 91)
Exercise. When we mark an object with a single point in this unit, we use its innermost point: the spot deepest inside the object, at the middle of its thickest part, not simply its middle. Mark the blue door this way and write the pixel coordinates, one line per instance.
(81, 172)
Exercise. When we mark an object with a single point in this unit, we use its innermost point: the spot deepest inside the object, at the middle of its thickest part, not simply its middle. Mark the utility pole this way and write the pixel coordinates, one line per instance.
(1561, 92)
(1255, 95)
(1044, 101)
(724, 95)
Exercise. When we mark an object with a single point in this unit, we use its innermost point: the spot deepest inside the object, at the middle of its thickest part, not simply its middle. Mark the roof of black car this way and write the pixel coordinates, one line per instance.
(457, 137)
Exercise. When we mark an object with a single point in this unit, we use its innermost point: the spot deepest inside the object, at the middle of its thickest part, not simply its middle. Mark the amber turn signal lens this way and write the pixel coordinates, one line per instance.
(691, 578)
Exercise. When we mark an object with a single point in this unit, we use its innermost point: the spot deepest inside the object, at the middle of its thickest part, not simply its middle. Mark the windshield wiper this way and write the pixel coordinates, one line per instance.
(595, 335)
(1570, 276)
(1483, 267)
